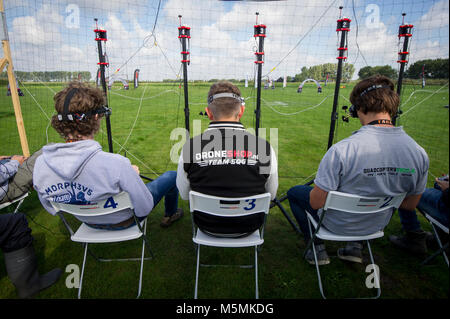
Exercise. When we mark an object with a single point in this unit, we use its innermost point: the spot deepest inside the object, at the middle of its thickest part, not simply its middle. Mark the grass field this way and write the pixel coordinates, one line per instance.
(142, 121)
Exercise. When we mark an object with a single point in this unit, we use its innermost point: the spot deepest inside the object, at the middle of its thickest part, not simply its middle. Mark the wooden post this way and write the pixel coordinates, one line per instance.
(7, 59)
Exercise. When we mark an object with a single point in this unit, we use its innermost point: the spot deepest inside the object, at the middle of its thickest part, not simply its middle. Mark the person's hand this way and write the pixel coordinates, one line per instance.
(3, 157)
(19, 158)
(442, 184)
(136, 169)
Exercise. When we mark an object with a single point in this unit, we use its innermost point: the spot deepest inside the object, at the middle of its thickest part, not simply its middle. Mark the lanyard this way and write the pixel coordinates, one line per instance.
(383, 121)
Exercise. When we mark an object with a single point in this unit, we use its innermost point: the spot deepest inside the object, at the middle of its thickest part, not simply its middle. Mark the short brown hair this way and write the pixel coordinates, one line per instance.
(226, 106)
(377, 101)
(85, 99)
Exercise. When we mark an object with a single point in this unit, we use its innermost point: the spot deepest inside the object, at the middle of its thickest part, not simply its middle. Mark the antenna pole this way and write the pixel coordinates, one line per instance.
(343, 26)
(404, 32)
(260, 33)
(184, 33)
(100, 36)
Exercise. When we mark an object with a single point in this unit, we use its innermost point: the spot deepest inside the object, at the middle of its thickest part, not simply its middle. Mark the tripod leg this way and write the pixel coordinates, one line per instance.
(285, 213)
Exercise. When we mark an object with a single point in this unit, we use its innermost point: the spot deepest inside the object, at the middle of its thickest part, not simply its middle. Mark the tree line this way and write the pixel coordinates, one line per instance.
(50, 76)
(320, 73)
(431, 68)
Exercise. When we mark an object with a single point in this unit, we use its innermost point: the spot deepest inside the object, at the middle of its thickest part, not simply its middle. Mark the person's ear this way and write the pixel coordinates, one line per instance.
(241, 111)
(209, 113)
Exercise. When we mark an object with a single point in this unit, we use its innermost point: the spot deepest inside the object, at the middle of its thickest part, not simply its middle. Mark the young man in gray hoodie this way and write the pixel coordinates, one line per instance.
(79, 172)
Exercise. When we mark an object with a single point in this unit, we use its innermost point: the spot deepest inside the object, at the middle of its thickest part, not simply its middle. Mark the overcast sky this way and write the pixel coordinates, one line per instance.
(58, 35)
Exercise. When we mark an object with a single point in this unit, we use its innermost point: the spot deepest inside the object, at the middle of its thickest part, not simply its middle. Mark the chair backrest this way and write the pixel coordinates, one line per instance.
(229, 207)
(361, 204)
(107, 206)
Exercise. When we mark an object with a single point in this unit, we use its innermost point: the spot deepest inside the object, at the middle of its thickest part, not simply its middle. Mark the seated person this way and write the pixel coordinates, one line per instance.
(227, 161)
(377, 160)
(16, 243)
(16, 176)
(79, 172)
(434, 202)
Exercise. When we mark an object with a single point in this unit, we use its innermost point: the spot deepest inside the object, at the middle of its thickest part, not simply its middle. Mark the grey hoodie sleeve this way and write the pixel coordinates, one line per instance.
(8, 169)
(130, 182)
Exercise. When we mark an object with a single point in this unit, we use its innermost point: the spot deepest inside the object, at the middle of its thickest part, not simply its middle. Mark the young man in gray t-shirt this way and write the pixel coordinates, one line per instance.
(377, 160)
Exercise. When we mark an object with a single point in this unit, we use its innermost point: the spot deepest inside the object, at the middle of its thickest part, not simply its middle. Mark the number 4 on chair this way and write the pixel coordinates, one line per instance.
(110, 203)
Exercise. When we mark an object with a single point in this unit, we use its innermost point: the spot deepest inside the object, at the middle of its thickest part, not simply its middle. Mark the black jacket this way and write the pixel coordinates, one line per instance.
(227, 161)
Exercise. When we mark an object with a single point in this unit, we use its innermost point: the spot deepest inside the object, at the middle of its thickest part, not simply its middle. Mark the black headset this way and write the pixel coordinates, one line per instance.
(68, 116)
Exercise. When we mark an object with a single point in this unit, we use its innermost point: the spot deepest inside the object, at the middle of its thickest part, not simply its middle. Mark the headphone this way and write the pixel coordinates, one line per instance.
(227, 94)
(68, 116)
(353, 110)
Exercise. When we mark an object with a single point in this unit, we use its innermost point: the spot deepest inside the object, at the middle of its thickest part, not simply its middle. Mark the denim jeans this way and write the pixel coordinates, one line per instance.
(298, 197)
(165, 186)
(431, 203)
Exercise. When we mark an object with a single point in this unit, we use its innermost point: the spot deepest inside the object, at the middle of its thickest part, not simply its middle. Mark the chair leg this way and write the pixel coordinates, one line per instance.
(311, 243)
(441, 248)
(196, 273)
(82, 270)
(438, 252)
(377, 278)
(256, 272)
(18, 206)
(144, 236)
(142, 268)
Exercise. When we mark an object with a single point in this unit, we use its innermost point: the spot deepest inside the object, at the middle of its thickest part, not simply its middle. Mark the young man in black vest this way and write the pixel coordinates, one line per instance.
(226, 160)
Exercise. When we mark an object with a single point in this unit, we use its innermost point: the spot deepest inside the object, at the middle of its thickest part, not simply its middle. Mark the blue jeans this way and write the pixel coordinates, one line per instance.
(431, 203)
(298, 197)
(164, 186)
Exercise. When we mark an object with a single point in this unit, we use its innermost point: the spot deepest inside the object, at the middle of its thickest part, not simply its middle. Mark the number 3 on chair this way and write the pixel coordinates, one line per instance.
(251, 204)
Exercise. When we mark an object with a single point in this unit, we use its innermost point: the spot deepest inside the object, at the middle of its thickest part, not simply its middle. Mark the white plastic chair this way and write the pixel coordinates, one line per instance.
(18, 200)
(228, 207)
(351, 204)
(434, 223)
(87, 235)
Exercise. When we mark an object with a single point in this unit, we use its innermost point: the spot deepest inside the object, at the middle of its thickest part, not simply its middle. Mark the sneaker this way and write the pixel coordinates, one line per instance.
(169, 220)
(322, 256)
(351, 252)
(413, 241)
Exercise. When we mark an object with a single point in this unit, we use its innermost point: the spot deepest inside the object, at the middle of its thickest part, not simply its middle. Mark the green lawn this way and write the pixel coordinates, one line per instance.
(142, 121)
